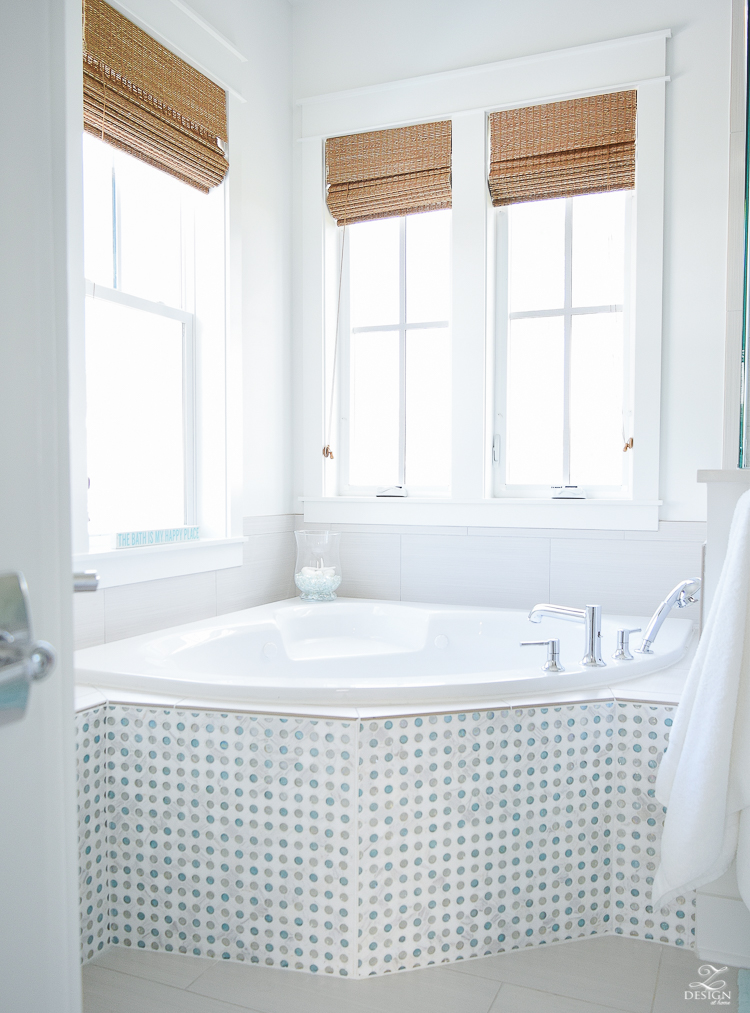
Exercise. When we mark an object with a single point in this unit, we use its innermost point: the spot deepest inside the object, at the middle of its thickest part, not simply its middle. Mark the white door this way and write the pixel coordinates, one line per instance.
(39, 970)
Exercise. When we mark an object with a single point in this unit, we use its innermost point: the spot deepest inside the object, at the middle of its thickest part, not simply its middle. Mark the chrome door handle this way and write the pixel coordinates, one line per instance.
(85, 580)
(23, 660)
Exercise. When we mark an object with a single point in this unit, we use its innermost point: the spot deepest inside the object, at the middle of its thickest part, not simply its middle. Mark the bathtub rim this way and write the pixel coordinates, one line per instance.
(661, 686)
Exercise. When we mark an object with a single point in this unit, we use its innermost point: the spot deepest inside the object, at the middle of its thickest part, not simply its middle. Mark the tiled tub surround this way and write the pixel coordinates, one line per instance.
(362, 847)
(627, 572)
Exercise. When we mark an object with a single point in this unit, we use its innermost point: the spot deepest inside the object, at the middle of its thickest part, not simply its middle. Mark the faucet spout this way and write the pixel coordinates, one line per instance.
(687, 592)
(590, 616)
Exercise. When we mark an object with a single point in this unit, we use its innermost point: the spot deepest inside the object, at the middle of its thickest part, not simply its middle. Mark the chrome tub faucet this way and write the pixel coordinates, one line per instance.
(590, 616)
(686, 593)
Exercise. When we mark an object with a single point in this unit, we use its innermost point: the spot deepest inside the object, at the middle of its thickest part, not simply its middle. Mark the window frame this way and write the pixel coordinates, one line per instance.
(499, 485)
(345, 397)
(467, 97)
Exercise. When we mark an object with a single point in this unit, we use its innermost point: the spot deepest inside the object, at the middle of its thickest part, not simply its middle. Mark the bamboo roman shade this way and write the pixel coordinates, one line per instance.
(387, 173)
(141, 98)
(585, 145)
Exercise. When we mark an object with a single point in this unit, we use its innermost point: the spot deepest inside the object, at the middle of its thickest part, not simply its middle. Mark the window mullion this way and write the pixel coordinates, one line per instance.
(402, 355)
(567, 334)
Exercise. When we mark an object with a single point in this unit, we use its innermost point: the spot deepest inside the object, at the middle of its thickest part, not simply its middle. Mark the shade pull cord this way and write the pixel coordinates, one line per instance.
(327, 452)
(104, 102)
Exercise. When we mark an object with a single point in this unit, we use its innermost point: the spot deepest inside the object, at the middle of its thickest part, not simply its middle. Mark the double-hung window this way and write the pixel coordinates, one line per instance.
(154, 259)
(139, 228)
(396, 391)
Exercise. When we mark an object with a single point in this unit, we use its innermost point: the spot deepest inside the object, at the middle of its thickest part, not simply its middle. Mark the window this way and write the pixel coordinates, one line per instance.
(154, 259)
(396, 392)
(564, 341)
(556, 222)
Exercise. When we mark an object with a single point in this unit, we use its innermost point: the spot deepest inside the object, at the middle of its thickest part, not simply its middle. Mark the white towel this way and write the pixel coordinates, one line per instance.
(704, 778)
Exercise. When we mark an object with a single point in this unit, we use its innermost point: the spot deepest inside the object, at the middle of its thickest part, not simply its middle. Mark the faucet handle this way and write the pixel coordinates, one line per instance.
(552, 664)
(623, 645)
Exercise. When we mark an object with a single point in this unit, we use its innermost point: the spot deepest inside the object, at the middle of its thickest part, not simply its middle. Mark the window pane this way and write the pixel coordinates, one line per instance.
(535, 402)
(373, 272)
(98, 244)
(537, 255)
(373, 426)
(428, 408)
(428, 260)
(596, 383)
(599, 249)
(134, 419)
(149, 230)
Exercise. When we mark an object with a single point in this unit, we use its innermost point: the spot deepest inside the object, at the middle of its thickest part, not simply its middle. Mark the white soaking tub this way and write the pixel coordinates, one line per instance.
(358, 653)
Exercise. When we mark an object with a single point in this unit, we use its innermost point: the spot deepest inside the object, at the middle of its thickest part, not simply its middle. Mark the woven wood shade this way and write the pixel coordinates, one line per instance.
(388, 173)
(141, 98)
(563, 149)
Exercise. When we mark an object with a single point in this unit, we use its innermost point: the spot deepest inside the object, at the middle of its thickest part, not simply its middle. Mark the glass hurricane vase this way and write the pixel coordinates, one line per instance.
(317, 572)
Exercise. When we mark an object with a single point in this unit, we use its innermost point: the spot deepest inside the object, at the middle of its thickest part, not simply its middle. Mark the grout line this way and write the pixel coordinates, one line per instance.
(549, 570)
(494, 998)
(200, 975)
(147, 977)
(177, 989)
(656, 979)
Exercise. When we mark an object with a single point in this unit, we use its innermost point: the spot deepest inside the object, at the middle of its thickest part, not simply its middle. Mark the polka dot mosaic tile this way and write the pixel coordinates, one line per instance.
(93, 870)
(359, 848)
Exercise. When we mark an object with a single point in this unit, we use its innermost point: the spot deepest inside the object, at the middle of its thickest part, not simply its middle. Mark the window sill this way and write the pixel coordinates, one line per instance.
(131, 566)
(603, 515)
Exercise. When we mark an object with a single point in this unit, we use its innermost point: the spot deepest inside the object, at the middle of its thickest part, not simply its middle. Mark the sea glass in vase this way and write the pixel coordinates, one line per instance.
(317, 572)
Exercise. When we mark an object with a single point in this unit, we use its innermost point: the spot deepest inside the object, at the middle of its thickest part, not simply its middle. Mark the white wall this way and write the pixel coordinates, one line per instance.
(339, 44)
(38, 878)
(342, 44)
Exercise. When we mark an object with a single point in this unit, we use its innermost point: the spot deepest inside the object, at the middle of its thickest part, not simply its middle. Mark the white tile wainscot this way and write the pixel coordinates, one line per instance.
(628, 571)
(366, 846)
(125, 610)
(625, 571)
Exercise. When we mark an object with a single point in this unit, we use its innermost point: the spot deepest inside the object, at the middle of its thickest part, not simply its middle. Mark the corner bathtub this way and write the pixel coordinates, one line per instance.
(353, 652)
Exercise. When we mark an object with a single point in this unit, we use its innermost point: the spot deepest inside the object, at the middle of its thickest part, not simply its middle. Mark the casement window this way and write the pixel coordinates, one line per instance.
(394, 310)
(396, 385)
(154, 259)
(538, 369)
(564, 397)
(564, 388)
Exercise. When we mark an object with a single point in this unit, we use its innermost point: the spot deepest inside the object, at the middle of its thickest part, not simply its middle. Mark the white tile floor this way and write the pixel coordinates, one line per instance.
(600, 975)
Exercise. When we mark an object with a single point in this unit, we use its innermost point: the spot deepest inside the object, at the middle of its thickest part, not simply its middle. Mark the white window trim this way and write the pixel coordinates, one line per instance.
(466, 97)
